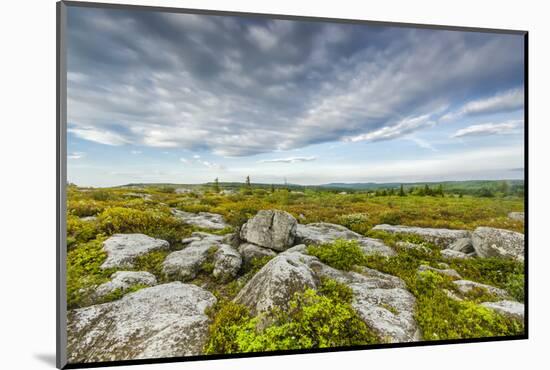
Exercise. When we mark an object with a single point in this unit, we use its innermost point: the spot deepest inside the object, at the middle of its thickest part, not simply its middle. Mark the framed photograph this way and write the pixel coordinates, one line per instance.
(234, 184)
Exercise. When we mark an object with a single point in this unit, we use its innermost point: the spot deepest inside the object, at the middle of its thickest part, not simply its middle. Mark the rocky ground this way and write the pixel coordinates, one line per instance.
(174, 315)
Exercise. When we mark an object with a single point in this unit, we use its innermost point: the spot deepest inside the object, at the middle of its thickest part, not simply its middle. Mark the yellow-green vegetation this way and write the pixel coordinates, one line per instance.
(84, 272)
(341, 254)
(361, 211)
(440, 316)
(315, 319)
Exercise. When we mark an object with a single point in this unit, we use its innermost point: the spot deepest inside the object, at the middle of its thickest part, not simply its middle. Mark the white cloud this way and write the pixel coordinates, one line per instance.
(485, 129)
(135, 152)
(183, 85)
(424, 144)
(76, 155)
(506, 101)
(401, 128)
(289, 160)
(99, 136)
(211, 165)
(184, 160)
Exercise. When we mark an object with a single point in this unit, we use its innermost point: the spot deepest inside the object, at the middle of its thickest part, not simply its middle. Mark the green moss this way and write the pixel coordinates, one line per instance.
(441, 317)
(499, 272)
(119, 293)
(79, 231)
(84, 272)
(254, 265)
(341, 254)
(153, 222)
(313, 320)
(152, 262)
(515, 286)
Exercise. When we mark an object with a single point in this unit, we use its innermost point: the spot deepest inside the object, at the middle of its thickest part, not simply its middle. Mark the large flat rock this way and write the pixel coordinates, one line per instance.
(466, 286)
(166, 320)
(491, 242)
(122, 249)
(205, 220)
(440, 237)
(185, 264)
(124, 280)
(323, 233)
(510, 309)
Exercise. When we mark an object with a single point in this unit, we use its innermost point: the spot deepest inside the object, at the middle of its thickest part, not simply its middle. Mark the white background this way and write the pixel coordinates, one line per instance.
(27, 185)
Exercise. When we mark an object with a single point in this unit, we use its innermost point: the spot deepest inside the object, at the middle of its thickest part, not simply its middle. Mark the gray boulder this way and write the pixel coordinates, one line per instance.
(205, 220)
(122, 249)
(300, 248)
(275, 284)
(322, 233)
(185, 264)
(381, 300)
(166, 320)
(124, 280)
(491, 242)
(512, 309)
(271, 229)
(250, 251)
(448, 272)
(450, 254)
(440, 237)
(517, 216)
(466, 286)
(463, 245)
(227, 262)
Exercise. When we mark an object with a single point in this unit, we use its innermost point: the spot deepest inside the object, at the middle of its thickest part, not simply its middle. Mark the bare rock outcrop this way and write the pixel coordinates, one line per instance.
(122, 249)
(440, 237)
(166, 320)
(271, 229)
(491, 242)
(322, 232)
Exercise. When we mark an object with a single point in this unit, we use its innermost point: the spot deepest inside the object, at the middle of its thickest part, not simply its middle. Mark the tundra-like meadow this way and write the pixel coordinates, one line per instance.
(175, 270)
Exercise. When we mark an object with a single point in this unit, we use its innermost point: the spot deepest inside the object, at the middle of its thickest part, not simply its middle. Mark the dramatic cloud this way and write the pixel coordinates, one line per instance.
(240, 86)
(99, 136)
(485, 129)
(289, 160)
(506, 101)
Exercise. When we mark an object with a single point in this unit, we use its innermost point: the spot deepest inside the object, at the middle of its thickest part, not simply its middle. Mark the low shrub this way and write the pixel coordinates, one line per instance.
(358, 222)
(153, 223)
(152, 262)
(341, 254)
(515, 286)
(79, 231)
(313, 320)
(84, 272)
(84, 208)
(441, 317)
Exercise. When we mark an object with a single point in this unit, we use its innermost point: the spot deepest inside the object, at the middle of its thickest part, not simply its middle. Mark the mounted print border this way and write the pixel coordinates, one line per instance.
(258, 251)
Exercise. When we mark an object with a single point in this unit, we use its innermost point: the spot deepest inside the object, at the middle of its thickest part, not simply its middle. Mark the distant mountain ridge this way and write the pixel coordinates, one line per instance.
(464, 184)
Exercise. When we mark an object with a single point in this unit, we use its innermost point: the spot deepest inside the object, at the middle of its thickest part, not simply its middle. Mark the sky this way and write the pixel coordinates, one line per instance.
(158, 97)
